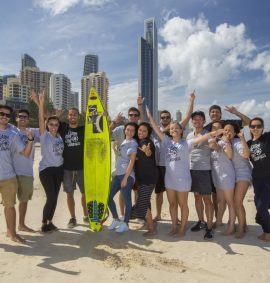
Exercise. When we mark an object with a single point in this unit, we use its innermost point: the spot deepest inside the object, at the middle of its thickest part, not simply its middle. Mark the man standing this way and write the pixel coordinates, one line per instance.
(73, 137)
(201, 177)
(10, 143)
(24, 167)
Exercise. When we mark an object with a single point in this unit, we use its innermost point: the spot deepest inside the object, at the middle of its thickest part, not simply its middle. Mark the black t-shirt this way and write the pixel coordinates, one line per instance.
(237, 122)
(73, 139)
(145, 166)
(260, 155)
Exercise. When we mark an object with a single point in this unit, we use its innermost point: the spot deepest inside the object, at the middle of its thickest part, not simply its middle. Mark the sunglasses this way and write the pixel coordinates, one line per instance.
(22, 117)
(3, 114)
(165, 117)
(256, 126)
(133, 115)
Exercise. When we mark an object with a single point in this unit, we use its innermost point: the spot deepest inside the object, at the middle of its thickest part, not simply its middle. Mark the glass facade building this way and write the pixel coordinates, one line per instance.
(28, 61)
(148, 66)
(90, 64)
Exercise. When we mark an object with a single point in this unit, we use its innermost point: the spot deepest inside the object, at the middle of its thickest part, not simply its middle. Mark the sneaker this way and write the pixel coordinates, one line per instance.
(121, 218)
(122, 228)
(45, 228)
(52, 227)
(72, 223)
(200, 225)
(209, 234)
(115, 224)
(85, 220)
(140, 221)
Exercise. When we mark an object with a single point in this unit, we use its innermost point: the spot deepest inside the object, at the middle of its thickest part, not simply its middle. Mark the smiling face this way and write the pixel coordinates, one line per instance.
(229, 131)
(165, 119)
(215, 114)
(53, 125)
(198, 122)
(133, 116)
(142, 132)
(73, 117)
(22, 120)
(5, 115)
(129, 132)
(175, 130)
(256, 128)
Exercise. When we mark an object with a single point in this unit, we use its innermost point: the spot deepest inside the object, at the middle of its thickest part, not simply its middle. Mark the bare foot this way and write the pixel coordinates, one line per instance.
(267, 237)
(17, 239)
(24, 228)
(261, 237)
(156, 219)
(240, 234)
(172, 232)
(228, 232)
(150, 233)
(216, 225)
(179, 234)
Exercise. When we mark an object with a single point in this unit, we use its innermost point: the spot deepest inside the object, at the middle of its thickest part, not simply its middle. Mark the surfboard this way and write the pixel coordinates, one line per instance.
(97, 161)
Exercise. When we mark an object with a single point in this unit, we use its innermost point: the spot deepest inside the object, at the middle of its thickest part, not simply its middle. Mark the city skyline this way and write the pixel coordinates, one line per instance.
(213, 46)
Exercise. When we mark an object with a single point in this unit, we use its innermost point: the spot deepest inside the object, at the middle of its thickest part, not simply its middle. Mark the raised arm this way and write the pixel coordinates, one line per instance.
(245, 120)
(154, 125)
(115, 121)
(184, 122)
(246, 152)
(41, 116)
(140, 101)
(207, 136)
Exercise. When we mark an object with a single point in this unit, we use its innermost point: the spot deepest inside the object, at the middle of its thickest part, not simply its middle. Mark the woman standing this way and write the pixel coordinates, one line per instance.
(50, 166)
(242, 173)
(124, 177)
(260, 157)
(146, 176)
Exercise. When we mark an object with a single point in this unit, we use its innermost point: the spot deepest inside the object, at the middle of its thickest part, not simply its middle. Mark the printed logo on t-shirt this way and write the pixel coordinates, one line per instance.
(58, 147)
(23, 138)
(172, 153)
(4, 142)
(72, 139)
(256, 152)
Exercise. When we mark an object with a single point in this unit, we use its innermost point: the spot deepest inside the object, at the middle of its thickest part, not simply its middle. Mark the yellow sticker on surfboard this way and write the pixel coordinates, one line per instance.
(97, 161)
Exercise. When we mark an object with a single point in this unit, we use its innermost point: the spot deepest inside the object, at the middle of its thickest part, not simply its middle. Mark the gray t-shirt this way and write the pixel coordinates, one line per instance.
(177, 176)
(24, 165)
(160, 150)
(51, 151)
(126, 148)
(200, 154)
(118, 134)
(10, 143)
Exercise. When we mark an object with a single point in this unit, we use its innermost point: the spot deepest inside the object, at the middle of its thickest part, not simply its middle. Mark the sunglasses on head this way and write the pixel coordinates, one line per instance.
(165, 117)
(3, 114)
(133, 115)
(256, 126)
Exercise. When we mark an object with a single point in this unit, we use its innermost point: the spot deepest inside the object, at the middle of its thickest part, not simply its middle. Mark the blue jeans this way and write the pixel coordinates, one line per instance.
(262, 201)
(126, 193)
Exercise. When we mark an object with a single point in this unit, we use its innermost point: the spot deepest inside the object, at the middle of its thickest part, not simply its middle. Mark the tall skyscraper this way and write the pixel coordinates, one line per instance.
(28, 61)
(1, 88)
(16, 91)
(60, 86)
(101, 84)
(73, 100)
(148, 66)
(178, 116)
(90, 64)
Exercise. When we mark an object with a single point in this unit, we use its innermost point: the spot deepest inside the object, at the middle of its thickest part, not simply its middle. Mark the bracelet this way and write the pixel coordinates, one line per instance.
(30, 139)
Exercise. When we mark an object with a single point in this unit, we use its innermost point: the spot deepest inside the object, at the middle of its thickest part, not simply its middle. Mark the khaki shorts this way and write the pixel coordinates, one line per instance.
(25, 188)
(8, 190)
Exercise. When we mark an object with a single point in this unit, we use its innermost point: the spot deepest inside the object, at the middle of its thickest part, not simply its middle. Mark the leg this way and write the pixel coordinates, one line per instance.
(126, 192)
(173, 203)
(159, 202)
(159, 190)
(239, 195)
(209, 210)
(115, 187)
(215, 203)
(221, 203)
(22, 214)
(229, 196)
(199, 206)
(182, 198)
(10, 214)
(71, 204)
(83, 202)
(121, 204)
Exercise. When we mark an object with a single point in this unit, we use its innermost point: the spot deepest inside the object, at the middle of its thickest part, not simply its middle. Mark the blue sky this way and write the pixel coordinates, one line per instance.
(220, 48)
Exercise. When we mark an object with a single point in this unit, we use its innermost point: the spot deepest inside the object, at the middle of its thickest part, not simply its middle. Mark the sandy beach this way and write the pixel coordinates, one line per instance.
(80, 255)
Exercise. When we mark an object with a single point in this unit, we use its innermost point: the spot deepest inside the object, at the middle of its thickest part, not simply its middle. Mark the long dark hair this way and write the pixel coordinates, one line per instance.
(235, 127)
(149, 128)
(256, 119)
(133, 125)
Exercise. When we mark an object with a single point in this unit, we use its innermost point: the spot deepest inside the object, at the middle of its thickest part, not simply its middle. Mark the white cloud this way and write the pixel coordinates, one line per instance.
(262, 62)
(57, 7)
(203, 59)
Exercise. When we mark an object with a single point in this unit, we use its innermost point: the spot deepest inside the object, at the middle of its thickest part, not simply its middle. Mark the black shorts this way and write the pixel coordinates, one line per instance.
(160, 185)
(201, 182)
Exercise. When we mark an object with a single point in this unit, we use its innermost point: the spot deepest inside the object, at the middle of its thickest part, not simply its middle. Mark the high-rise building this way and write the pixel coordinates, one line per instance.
(101, 84)
(28, 61)
(35, 79)
(178, 116)
(60, 87)
(1, 88)
(73, 100)
(90, 64)
(148, 66)
(15, 91)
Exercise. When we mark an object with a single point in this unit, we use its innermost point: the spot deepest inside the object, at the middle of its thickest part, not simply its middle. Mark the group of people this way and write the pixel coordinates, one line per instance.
(212, 162)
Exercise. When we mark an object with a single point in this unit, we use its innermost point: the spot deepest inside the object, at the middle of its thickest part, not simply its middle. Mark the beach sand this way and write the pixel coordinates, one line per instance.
(80, 255)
